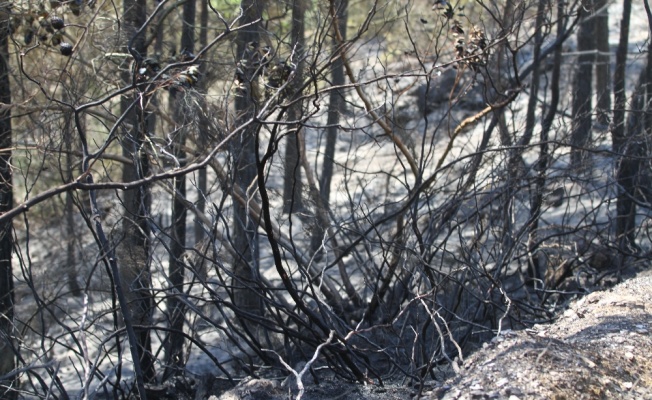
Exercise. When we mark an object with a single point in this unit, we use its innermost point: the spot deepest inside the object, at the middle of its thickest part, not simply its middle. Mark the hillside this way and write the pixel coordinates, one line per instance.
(598, 349)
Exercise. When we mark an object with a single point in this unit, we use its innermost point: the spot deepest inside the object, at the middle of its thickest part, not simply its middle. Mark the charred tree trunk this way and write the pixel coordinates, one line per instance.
(633, 146)
(133, 251)
(8, 346)
(516, 158)
(648, 73)
(246, 297)
(202, 139)
(582, 87)
(336, 107)
(292, 185)
(603, 64)
(174, 357)
(536, 201)
(69, 209)
(67, 172)
(625, 205)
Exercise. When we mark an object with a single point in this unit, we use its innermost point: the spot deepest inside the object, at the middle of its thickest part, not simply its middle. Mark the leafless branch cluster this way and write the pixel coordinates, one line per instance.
(368, 190)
